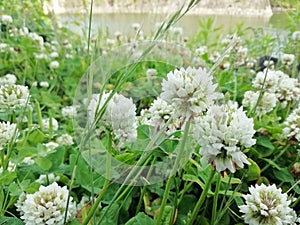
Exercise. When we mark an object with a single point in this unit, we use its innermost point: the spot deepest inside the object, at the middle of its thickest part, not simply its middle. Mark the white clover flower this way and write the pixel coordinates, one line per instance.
(50, 146)
(201, 50)
(119, 116)
(13, 96)
(250, 62)
(46, 206)
(159, 114)
(47, 178)
(269, 64)
(110, 42)
(242, 51)
(268, 79)
(40, 56)
(296, 35)
(267, 205)
(69, 111)
(6, 19)
(44, 84)
(292, 123)
(221, 133)
(46, 124)
(65, 139)
(123, 119)
(8, 79)
(136, 26)
(54, 65)
(3, 47)
(191, 91)
(287, 59)
(288, 89)
(214, 57)
(28, 161)
(35, 37)
(151, 72)
(54, 55)
(266, 104)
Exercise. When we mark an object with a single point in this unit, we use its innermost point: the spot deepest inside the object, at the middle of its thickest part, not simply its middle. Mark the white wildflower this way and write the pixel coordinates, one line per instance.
(3, 47)
(69, 111)
(214, 57)
(47, 206)
(110, 42)
(267, 205)
(50, 146)
(296, 35)
(44, 84)
(8, 79)
(151, 72)
(136, 26)
(269, 64)
(28, 161)
(266, 104)
(47, 178)
(287, 59)
(221, 133)
(191, 91)
(288, 89)
(201, 50)
(36, 37)
(40, 56)
(54, 55)
(268, 79)
(12, 96)
(54, 65)
(6, 19)
(119, 116)
(292, 123)
(65, 139)
(46, 124)
(159, 114)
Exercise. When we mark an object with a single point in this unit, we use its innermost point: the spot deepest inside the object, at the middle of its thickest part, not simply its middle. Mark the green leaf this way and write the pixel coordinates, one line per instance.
(111, 217)
(267, 145)
(36, 137)
(167, 216)
(43, 163)
(283, 175)
(232, 180)
(10, 221)
(140, 219)
(7, 177)
(253, 172)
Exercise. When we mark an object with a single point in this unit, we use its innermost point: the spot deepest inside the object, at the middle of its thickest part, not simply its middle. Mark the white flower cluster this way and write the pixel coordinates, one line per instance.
(7, 132)
(276, 87)
(46, 206)
(65, 139)
(221, 133)
(267, 205)
(6, 19)
(50, 146)
(288, 59)
(159, 114)
(47, 178)
(120, 116)
(12, 95)
(292, 123)
(191, 91)
(8, 79)
(69, 111)
(46, 124)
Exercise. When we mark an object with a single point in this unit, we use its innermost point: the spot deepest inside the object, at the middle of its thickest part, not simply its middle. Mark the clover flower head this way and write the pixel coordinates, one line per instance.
(191, 91)
(151, 72)
(268, 79)
(46, 124)
(159, 114)
(288, 88)
(7, 132)
(221, 133)
(288, 59)
(9, 79)
(201, 50)
(6, 19)
(54, 65)
(292, 123)
(267, 205)
(65, 139)
(119, 116)
(50, 146)
(13, 95)
(69, 111)
(44, 84)
(266, 104)
(296, 35)
(46, 206)
(47, 178)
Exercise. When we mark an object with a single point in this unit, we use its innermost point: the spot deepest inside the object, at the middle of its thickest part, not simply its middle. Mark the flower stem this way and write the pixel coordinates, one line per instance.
(174, 169)
(215, 202)
(202, 197)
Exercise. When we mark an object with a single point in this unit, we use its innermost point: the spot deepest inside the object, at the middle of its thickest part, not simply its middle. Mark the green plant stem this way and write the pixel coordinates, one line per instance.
(174, 169)
(277, 157)
(202, 197)
(215, 202)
